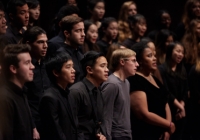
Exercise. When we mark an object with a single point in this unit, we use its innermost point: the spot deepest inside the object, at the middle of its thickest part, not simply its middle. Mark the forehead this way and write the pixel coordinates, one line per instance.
(100, 4)
(79, 25)
(165, 15)
(92, 26)
(69, 62)
(21, 8)
(42, 37)
(147, 50)
(178, 46)
(24, 56)
(101, 60)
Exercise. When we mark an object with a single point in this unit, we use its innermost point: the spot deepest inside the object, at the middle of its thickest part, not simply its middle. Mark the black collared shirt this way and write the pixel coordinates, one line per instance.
(83, 107)
(76, 55)
(13, 35)
(55, 43)
(15, 118)
(37, 87)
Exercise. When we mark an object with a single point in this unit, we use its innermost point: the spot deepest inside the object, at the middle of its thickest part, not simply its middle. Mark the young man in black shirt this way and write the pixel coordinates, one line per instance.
(18, 13)
(88, 98)
(36, 37)
(57, 116)
(73, 30)
(15, 118)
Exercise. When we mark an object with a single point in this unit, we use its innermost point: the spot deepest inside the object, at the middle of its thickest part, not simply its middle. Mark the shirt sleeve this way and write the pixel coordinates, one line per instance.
(109, 93)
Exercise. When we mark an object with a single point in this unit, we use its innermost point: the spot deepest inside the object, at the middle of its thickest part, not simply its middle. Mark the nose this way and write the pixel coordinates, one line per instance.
(45, 45)
(4, 20)
(73, 70)
(27, 15)
(83, 33)
(32, 66)
(137, 64)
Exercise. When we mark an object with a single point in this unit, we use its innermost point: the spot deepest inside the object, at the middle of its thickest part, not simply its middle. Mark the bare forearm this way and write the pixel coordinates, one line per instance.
(168, 113)
(154, 119)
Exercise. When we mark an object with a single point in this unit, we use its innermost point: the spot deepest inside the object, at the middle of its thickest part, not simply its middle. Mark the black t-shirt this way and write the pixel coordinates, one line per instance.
(156, 101)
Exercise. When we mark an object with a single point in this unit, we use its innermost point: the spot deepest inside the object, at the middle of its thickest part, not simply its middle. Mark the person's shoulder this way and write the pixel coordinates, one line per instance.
(77, 86)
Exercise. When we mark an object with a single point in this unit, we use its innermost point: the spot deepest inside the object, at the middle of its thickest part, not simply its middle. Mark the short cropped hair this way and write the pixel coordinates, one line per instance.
(119, 54)
(89, 59)
(68, 22)
(56, 63)
(10, 54)
(12, 4)
(32, 33)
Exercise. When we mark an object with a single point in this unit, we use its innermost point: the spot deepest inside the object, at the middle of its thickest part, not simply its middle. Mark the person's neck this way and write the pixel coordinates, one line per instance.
(144, 72)
(173, 66)
(17, 82)
(62, 85)
(36, 57)
(109, 41)
(93, 81)
(71, 44)
(136, 37)
(120, 74)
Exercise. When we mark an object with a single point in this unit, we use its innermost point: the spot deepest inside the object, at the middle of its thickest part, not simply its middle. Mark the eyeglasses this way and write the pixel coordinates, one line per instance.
(133, 60)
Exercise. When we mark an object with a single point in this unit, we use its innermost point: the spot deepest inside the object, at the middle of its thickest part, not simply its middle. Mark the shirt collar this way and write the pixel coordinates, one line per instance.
(88, 84)
(15, 88)
(64, 92)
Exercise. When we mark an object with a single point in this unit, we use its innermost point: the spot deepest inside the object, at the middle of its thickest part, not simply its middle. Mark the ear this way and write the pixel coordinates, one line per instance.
(89, 70)
(55, 73)
(13, 69)
(59, 24)
(67, 34)
(122, 62)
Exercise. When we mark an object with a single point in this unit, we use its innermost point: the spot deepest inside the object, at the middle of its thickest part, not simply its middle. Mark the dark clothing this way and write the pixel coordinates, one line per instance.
(76, 55)
(129, 43)
(58, 121)
(180, 31)
(15, 118)
(36, 89)
(83, 107)
(103, 46)
(13, 35)
(177, 86)
(178, 89)
(55, 43)
(116, 94)
(152, 35)
(156, 102)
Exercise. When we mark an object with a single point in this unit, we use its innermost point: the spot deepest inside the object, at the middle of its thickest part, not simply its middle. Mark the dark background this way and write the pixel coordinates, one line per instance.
(148, 8)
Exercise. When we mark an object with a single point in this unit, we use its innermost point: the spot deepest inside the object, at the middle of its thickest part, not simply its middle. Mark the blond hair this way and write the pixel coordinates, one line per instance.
(119, 54)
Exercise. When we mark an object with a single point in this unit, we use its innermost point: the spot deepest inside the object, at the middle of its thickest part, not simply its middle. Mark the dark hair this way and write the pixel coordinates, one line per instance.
(139, 48)
(147, 39)
(32, 3)
(93, 3)
(162, 37)
(180, 70)
(133, 20)
(55, 62)
(32, 33)
(1, 6)
(12, 4)
(104, 25)
(158, 18)
(10, 54)
(89, 59)
(68, 22)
